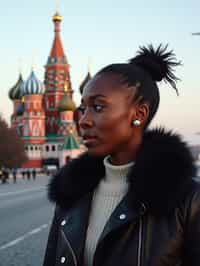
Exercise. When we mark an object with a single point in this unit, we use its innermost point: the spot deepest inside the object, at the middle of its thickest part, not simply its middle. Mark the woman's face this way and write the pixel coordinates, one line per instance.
(107, 115)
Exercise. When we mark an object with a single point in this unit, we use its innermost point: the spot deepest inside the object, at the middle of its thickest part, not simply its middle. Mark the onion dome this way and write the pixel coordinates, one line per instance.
(16, 92)
(20, 109)
(57, 17)
(71, 143)
(33, 85)
(86, 79)
(66, 104)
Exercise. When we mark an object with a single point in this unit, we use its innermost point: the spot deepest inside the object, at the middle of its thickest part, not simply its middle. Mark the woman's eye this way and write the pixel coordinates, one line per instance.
(98, 108)
(81, 109)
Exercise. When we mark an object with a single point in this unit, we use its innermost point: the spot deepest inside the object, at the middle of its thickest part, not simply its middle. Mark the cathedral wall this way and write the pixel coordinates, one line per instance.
(32, 164)
(51, 150)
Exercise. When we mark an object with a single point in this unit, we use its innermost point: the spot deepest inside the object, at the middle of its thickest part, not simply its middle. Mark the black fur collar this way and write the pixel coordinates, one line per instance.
(159, 178)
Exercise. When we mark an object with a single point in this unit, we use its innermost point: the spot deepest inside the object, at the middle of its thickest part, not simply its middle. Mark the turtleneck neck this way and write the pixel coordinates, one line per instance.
(115, 181)
(116, 173)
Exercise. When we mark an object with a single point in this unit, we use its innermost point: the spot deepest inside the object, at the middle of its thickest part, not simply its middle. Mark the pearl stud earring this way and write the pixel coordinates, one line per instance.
(136, 123)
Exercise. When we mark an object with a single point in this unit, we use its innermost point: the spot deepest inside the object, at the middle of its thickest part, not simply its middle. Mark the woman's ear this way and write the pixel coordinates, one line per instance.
(141, 113)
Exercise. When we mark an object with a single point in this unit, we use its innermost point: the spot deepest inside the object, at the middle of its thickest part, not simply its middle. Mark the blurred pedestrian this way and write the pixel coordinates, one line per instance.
(14, 173)
(23, 174)
(1, 174)
(28, 174)
(5, 176)
(34, 174)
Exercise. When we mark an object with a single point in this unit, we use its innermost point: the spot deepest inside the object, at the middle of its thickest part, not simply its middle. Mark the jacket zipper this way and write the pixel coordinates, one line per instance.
(140, 242)
(71, 249)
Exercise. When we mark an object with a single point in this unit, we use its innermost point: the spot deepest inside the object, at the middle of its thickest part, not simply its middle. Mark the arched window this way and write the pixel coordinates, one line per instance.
(47, 148)
(53, 148)
(31, 148)
(36, 148)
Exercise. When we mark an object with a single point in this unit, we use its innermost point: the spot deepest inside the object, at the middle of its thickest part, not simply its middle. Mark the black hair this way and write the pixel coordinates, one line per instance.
(149, 66)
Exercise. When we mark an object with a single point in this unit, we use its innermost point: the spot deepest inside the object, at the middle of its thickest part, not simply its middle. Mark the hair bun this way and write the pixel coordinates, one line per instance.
(158, 63)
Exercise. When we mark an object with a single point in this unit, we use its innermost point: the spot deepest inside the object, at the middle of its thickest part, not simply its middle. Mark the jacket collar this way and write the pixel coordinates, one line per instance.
(160, 177)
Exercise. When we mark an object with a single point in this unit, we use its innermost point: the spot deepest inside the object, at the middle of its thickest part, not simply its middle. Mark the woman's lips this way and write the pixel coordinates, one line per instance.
(87, 140)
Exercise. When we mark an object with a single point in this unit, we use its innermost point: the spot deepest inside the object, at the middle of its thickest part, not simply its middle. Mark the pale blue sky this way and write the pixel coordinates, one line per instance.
(108, 32)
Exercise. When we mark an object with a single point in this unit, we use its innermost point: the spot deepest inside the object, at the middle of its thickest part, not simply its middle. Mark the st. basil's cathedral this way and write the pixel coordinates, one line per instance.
(44, 114)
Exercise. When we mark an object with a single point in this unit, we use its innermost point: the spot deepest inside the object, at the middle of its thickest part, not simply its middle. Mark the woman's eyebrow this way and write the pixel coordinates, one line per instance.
(94, 97)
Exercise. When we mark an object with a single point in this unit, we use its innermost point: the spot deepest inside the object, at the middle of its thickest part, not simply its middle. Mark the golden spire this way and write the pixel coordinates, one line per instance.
(56, 5)
(33, 65)
(71, 131)
(89, 64)
(20, 65)
(57, 16)
(66, 86)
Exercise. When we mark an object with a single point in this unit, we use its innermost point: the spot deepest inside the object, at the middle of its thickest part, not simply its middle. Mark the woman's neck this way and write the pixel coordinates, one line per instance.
(127, 155)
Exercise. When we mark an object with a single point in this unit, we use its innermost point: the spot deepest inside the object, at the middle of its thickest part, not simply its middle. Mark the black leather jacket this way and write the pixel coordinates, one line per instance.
(156, 224)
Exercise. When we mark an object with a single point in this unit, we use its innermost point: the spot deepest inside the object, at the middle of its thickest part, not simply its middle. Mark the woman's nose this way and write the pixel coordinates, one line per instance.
(85, 120)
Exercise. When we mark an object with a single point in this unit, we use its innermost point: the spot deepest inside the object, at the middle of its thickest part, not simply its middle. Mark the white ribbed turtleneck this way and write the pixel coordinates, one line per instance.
(106, 197)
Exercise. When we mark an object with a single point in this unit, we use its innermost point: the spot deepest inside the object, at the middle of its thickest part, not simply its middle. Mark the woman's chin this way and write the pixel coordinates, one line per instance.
(94, 151)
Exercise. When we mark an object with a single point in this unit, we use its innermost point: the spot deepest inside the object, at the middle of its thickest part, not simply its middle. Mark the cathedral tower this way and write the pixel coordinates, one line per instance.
(56, 77)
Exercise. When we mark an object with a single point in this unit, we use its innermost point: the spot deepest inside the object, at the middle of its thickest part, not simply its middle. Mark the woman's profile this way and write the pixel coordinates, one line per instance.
(130, 200)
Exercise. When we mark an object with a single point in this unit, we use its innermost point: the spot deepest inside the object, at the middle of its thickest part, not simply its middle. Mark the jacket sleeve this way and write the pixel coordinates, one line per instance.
(192, 243)
(50, 254)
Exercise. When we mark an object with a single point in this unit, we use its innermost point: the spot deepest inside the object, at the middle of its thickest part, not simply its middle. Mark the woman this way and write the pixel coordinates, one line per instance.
(130, 200)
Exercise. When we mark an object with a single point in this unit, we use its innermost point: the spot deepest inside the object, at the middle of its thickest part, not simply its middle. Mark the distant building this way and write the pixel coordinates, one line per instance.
(43, 114)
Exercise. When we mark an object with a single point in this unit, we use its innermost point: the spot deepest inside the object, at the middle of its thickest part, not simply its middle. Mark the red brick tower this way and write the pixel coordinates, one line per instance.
(56, 76)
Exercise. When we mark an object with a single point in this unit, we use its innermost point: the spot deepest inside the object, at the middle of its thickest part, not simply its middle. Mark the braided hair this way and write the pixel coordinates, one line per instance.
(148, 67)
